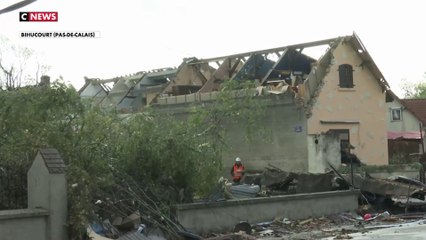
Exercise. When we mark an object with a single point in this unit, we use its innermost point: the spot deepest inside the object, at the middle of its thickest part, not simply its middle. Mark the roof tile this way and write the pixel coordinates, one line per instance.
(54, 162)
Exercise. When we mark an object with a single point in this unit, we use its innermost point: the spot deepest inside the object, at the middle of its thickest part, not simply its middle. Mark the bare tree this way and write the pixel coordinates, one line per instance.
(18, 65)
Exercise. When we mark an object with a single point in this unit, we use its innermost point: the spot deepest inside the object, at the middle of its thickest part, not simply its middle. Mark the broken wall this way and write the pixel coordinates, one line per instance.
(323, 150)
(361, 110)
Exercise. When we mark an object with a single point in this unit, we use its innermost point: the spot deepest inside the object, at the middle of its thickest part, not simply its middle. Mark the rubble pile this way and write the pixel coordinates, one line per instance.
(131, 211)
(383, 203)
(337, 226)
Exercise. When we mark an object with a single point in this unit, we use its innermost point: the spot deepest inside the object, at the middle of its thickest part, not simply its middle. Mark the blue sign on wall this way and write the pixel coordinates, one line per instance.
(298, 128)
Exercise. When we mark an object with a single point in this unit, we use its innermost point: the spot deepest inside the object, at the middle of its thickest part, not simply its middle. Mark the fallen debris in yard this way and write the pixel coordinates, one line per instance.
(136, 213)
(244, 191)
(232, 236)
(243, 226)
(345, 225)
(384, 187)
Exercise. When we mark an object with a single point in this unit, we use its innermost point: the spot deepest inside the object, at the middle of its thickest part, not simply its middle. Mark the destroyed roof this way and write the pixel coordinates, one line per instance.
(52, 160)
(143, 82)
(159, 76)
(206, 75)
(352, 39)
(417, 107)
(268, 64)
(126, 89)
(95, 82)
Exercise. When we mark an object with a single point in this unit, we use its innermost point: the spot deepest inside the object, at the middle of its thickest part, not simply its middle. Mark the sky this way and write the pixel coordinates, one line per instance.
(138, 35)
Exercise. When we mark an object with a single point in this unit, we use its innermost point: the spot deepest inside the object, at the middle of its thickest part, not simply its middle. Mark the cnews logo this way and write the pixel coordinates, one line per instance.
(38, 16)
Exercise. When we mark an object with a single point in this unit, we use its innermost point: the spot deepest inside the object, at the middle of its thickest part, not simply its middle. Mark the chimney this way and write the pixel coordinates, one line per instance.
(45, 81)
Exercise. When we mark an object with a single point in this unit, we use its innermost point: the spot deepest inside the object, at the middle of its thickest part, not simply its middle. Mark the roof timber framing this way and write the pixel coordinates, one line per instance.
(263, 65)
(271, 50)
(249, 60)
(189, 74)
(281, 57)
(225, 71)
(236, 65)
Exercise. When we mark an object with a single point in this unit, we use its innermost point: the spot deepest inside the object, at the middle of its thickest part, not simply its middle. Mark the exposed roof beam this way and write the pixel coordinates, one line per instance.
(273, 67)
(231, 72)
(106, 80)
(302, 45)
(242, 67)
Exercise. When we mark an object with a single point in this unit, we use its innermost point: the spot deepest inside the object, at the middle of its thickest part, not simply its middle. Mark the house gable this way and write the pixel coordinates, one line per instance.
(417, 107)
(408, 119)
(92, 89)
(360, 109)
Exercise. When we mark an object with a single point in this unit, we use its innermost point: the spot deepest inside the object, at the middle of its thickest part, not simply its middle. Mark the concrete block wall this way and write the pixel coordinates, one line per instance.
(24, 224)
(283, 142)
(222, 216)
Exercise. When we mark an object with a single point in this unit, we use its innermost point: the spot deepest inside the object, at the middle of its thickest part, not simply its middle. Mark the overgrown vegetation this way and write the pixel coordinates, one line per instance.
(415, 90)
(171, 160)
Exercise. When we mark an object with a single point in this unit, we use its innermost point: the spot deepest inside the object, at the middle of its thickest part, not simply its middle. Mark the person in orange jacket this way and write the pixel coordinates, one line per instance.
(237, 170)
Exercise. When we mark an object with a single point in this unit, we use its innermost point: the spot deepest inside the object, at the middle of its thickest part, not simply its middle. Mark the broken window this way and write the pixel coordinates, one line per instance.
(343, 136)
(346, 76)
(396, 114)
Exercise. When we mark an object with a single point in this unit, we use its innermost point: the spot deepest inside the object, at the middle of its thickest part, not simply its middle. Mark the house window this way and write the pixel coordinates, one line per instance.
(346, 79)
(396, 114)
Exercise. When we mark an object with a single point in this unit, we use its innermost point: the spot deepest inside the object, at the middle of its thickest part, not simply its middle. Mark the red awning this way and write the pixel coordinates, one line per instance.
(405, 135)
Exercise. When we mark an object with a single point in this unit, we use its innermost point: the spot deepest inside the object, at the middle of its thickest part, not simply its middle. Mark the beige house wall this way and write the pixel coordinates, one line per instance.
(362, 109)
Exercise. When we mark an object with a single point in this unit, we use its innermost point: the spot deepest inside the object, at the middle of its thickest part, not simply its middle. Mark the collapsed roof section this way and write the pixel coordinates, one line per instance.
(94, 91)
(278, 69)
(285, 67)
(262, 66)
(131, 92)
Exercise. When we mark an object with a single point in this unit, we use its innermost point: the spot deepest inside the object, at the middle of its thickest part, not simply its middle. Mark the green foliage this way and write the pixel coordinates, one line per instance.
(36, 117)
(236, 103)
(31, 118)
(416, 90)
(155, 146)
(154, 149)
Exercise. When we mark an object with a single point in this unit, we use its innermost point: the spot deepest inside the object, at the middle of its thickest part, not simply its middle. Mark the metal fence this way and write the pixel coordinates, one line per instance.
(13, 187)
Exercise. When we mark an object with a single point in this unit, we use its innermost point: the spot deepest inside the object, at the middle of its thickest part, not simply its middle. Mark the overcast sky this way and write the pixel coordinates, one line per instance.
(138, 35)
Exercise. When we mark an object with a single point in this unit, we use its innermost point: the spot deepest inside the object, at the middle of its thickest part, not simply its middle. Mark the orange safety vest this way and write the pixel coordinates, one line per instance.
(237, 172)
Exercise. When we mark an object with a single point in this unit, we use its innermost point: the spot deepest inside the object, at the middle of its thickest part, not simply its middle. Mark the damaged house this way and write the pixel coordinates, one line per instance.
(406, 129)
(127, 93)
(317, 107)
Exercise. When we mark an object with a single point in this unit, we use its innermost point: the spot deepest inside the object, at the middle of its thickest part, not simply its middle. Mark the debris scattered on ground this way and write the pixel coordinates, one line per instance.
(243, 226)
(336, 226)
(136, 213)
